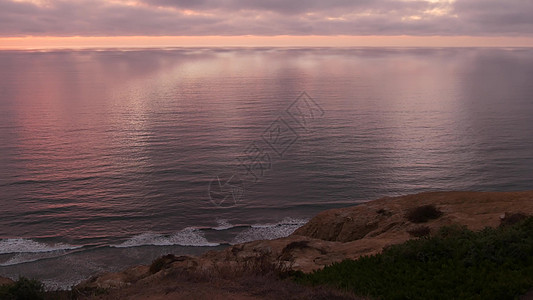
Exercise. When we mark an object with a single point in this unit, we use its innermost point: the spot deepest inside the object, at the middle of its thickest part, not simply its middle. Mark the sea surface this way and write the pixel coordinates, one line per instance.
(110, 158)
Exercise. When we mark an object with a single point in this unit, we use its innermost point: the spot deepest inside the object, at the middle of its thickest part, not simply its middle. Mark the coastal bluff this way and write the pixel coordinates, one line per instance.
(336, 234)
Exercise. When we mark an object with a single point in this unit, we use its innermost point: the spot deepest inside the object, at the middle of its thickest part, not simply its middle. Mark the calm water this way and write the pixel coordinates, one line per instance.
(106, 157)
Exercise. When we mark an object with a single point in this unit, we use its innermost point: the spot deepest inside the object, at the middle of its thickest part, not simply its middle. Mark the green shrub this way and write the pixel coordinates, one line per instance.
(23, 289)
(161, 263)
(423, 213)
(456, 263)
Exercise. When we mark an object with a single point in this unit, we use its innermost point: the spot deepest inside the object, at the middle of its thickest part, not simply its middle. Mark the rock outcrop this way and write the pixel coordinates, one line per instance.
(338, 234)
(117, 279)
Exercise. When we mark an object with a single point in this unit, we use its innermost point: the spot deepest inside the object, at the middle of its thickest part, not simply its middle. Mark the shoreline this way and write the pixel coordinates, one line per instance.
(331, 236)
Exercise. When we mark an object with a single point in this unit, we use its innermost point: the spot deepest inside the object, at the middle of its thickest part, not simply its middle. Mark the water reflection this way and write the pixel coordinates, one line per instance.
(93, 139)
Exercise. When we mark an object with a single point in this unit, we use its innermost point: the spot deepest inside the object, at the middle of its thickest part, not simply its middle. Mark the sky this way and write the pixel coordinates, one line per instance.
(49, 22)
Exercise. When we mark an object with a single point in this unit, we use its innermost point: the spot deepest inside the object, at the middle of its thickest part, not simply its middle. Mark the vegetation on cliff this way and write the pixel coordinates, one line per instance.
(455, 263)
(23, 289)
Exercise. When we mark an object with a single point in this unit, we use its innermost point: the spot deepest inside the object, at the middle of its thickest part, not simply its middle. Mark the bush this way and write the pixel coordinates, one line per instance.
(423, 213)
(456, 263)
(512, 218)
(23, 289)
(384, 212)
(162, 262)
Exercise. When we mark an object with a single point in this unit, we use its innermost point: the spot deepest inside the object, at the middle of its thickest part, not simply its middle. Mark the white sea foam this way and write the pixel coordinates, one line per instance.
(285, 221)
(269, 231)
(223, 225)
(185, 237)
(21, 258)
(20, 245)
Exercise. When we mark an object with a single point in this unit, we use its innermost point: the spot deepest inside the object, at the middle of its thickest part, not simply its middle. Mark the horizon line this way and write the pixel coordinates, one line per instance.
(99, 42)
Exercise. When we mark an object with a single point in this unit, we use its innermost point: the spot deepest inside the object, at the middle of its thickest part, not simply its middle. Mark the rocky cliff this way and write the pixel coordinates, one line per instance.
(338, 234)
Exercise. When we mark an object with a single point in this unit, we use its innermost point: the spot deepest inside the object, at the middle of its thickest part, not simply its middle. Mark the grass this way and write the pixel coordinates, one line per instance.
(455, 263)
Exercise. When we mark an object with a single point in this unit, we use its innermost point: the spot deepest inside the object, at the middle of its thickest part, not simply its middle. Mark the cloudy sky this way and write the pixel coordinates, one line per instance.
(418, 18)
(265, 17)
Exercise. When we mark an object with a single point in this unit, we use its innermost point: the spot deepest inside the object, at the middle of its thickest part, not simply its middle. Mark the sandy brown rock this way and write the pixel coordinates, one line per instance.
(338, 234)
(116, 279)
(5, 281)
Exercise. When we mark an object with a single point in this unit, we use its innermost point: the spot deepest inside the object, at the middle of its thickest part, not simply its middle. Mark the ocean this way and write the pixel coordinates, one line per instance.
(112, 157)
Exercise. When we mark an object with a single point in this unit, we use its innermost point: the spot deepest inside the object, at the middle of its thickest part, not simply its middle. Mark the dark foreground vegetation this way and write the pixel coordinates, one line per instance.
(23, 288)
(455, 263)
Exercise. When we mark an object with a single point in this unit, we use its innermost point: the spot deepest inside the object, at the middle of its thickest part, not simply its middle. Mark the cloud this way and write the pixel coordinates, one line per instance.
(514, 17)
(265, 17)
(285, 7)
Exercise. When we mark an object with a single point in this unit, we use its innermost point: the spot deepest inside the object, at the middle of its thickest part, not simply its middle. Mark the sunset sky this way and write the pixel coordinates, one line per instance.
(83, 23)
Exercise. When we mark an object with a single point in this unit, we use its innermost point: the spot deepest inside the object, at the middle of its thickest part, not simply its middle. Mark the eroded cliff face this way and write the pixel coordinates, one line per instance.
(338, 234)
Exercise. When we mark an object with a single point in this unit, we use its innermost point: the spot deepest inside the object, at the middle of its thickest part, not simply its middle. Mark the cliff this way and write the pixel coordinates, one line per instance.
(335, 235)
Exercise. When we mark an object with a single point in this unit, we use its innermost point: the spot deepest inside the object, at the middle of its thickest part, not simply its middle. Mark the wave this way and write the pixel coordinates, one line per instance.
(20, 245)
(186, 237)
(285, 221)
(269, 231)
(194, 237)
(20, 250)
(223, 225)
(21, 258)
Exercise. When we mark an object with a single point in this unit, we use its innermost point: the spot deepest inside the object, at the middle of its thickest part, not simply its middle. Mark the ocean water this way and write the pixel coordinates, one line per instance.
(110, 158)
